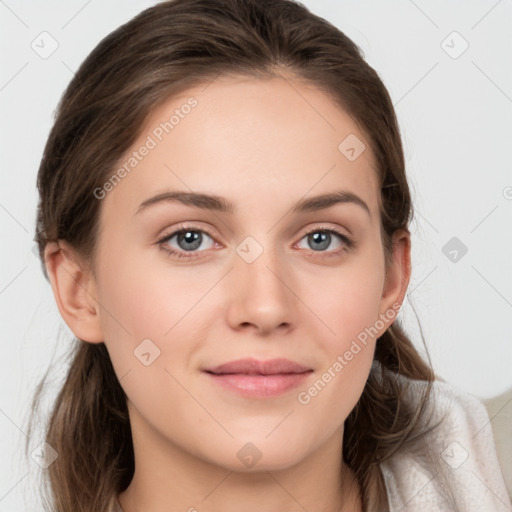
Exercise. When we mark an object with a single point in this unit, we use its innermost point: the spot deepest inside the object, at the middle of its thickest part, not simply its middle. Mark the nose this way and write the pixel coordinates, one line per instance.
(260, 296)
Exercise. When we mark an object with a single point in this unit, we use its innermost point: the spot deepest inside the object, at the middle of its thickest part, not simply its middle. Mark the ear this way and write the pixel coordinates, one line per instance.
(74, 290)
(398, 273)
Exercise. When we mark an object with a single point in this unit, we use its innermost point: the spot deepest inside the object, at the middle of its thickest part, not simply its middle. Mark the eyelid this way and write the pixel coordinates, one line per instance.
(183, 226)
(324, 227)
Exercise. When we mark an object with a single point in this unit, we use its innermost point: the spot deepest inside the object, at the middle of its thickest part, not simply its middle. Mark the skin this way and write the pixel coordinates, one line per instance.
(263, 145)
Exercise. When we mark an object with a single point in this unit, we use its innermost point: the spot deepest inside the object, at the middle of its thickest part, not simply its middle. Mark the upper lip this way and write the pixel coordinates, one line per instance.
(250, 366)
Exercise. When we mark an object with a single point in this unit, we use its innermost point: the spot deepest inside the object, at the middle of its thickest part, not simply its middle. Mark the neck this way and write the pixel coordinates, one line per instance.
(167, 476)
(270, 491)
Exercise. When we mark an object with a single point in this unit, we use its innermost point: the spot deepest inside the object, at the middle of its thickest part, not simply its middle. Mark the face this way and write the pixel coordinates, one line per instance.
(244, 265)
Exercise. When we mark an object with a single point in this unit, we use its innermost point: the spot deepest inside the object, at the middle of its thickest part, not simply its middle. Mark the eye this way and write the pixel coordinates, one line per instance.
(320, 239)
(186, 240)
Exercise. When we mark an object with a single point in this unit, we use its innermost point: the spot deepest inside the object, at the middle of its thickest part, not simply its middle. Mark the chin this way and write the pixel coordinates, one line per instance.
(253, 456)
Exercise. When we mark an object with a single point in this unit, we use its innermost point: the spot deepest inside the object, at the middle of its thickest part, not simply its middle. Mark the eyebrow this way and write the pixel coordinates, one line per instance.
(220, 204)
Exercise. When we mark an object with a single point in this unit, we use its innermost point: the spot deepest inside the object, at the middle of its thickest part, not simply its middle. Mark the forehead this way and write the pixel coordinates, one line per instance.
(247, 138)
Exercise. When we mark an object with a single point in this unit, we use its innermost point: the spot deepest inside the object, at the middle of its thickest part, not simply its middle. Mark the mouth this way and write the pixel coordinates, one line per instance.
(259, 379)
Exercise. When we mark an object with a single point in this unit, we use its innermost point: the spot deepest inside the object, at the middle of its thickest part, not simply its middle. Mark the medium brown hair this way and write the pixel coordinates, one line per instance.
(161, 52)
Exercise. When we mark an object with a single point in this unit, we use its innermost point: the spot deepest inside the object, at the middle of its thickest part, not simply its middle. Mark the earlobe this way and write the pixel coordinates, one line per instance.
(74, 291)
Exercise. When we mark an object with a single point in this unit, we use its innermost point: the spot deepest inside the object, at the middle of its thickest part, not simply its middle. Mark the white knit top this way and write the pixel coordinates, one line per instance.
(465, 475)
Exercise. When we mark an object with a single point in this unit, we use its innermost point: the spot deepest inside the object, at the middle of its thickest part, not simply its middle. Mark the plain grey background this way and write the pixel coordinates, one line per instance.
(447, 66)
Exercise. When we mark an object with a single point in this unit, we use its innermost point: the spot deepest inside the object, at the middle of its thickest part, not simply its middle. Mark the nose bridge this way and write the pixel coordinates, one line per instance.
(261, 292)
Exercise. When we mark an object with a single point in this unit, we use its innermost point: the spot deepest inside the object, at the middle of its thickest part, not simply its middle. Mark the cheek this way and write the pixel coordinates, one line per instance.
(132, 310)
(349, 307)
(353, 317)
(151, 309)
(348, 356)
(145, 300)
(148, 324)
(350, 302)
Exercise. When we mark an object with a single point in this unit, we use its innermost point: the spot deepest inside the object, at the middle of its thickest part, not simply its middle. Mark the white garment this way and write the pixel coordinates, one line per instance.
(463, 448)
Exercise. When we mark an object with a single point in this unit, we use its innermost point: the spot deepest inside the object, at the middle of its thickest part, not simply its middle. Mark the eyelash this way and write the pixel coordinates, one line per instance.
(348, 243)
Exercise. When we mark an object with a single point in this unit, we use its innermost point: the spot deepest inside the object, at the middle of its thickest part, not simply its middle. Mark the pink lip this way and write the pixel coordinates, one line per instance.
(259, 379)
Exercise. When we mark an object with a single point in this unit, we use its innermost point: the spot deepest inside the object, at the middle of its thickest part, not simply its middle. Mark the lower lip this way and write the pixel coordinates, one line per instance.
(260, 386)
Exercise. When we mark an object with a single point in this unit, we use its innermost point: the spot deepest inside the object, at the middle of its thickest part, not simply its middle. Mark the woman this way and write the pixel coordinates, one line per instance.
(224, 220)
